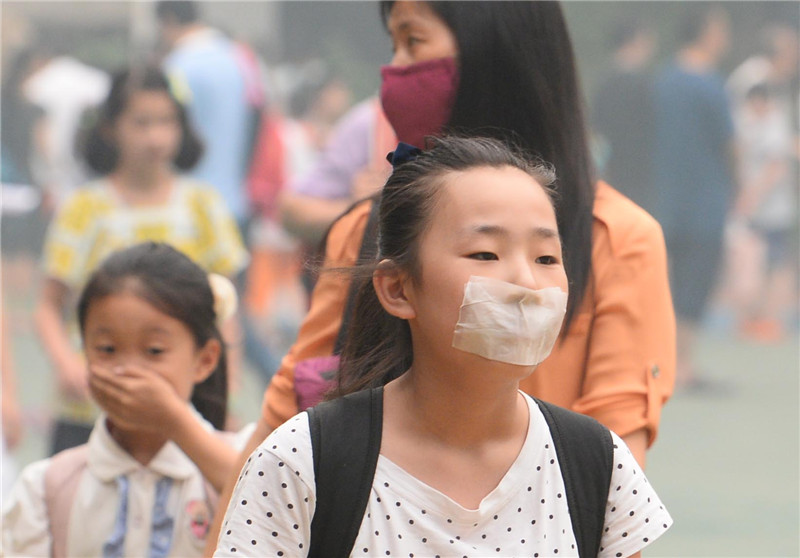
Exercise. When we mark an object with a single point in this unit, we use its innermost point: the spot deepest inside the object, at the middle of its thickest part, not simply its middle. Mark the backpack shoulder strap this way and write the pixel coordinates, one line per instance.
(586, 456)
(61, 480)
(367, 253)
(346, 441)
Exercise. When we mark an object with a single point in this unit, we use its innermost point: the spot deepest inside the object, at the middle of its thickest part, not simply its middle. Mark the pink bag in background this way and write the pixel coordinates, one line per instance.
(312, 378)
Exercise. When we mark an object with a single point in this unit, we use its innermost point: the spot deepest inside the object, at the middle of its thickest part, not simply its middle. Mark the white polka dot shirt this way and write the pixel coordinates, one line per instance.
(525, 515)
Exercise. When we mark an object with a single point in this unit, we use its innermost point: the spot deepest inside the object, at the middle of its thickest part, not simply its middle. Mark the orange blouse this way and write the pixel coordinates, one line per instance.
(616, 362)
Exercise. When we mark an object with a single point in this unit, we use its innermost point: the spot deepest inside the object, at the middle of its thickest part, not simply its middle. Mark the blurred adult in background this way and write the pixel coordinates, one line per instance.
(352, 166)
(288, 145)
(206, 71)
(293, 136)
(65, 88)
(24, 217)
(694, 170)
(623, 111)
(218, 81)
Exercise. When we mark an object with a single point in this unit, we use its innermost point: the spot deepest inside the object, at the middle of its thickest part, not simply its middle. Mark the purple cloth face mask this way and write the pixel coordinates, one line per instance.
(418, 99)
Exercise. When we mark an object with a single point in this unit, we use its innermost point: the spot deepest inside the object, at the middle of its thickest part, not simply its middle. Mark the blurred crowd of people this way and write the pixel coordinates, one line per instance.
(244, 168)
(93, 161)
(715, 160)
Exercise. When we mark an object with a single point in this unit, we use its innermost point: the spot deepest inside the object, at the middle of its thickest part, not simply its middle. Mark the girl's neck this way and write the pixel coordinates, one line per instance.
(458, 407)
(142, 446)
(141, 185)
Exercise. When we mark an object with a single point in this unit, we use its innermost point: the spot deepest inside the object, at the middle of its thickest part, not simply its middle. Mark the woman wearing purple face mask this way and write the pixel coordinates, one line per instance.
(509, 69)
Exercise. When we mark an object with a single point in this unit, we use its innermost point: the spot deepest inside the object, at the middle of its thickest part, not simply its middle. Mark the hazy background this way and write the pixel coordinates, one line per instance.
(726, 463)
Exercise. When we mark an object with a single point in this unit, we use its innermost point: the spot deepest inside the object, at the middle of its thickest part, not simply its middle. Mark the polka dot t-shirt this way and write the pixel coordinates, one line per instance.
(525, 515)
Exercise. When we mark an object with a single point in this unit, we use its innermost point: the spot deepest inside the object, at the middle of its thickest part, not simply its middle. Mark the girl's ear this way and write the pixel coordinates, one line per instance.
(207, 360)
(392, 286)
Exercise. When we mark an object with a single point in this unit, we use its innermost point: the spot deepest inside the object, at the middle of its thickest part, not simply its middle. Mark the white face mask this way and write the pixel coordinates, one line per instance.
(508, 323)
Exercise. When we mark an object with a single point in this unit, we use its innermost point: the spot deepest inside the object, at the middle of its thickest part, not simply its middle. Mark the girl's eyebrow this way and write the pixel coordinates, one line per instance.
(159, 330)
(497, 230)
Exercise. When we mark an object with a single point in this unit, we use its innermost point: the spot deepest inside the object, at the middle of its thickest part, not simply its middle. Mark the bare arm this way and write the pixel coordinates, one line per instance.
(70, 366)
(213, 457)
(637, 443)
(259, 434)
(232, 335)
(308, 217)
(12, 425)
(139, 399)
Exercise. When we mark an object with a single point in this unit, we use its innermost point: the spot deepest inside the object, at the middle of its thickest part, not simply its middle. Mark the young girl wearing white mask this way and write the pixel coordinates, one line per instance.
(467, 300)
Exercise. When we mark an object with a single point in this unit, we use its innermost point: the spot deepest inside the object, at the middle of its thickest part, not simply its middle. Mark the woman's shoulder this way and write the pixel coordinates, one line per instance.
(619, 214)
(356, 215)
(621, 226)
(347, 231)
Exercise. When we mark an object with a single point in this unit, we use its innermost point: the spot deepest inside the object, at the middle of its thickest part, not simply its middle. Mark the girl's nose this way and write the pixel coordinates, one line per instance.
(400, 58)
(523, 274)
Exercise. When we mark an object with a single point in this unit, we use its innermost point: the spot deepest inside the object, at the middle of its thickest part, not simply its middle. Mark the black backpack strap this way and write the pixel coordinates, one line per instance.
(586, 456)
(367, 253)
(346, 442)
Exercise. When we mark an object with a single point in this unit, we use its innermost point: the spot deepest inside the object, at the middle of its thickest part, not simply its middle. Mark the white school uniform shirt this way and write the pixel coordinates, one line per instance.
(525, 515)
(109, 519)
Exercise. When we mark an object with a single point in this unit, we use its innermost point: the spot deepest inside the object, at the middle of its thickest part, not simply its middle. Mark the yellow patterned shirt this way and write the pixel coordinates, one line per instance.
(95, 221)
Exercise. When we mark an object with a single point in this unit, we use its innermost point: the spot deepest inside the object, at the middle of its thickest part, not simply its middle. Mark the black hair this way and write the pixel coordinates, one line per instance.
(695, 21)
(378, 345)
(626, 31)
(308, 90)
(101, 152)
(758, 91)
(21, 67)
(182, 12)
(178, 287)
(518, 80)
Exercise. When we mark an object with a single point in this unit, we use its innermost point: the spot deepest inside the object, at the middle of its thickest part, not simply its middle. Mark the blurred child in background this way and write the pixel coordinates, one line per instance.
(140, 144)
(767, 206)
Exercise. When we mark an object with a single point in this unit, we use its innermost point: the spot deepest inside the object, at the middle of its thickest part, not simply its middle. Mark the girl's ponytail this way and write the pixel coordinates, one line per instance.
(210, 397)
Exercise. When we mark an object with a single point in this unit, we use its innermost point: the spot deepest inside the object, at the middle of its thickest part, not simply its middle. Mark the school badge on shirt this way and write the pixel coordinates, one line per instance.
(199, 518)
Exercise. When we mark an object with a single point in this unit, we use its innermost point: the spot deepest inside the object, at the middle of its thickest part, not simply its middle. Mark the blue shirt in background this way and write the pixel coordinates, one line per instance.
(207, 75)
(694, 129)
